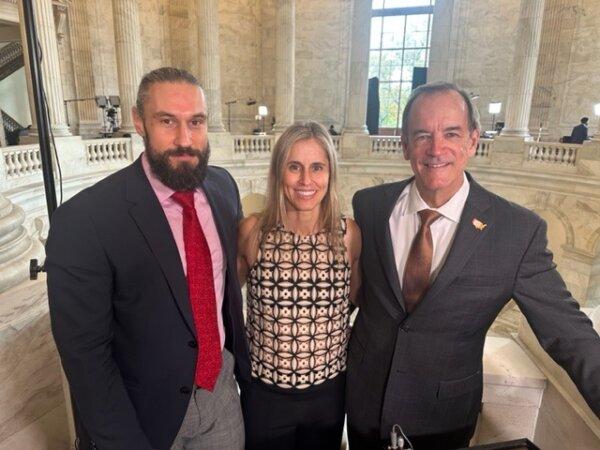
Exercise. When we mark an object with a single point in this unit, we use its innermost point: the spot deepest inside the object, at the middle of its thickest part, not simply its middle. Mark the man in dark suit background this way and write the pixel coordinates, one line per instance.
(441, 257)
(580, 132)
(144, 299)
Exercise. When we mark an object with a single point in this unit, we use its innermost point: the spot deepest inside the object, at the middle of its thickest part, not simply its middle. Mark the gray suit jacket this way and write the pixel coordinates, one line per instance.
(424, 370)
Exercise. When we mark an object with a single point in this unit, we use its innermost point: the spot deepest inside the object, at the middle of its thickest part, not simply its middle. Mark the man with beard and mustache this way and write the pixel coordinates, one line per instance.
(441, 256)
(144, 299)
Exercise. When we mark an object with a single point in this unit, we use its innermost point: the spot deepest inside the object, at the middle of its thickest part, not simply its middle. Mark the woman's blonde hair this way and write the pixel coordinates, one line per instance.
(274, 212)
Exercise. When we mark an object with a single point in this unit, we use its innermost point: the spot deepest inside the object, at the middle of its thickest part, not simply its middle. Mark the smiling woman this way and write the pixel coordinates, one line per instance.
(300, 260)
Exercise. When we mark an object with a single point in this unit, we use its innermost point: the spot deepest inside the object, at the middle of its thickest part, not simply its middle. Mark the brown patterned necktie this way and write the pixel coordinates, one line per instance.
(418, 265)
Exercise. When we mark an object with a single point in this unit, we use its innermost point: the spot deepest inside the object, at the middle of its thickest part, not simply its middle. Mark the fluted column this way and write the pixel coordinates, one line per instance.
(33, 129)
(82, 67)
(17, 247)
(128, 45)
(529, 31)
(356, 112)
(50, 66)
(209, 61)
(285, 65)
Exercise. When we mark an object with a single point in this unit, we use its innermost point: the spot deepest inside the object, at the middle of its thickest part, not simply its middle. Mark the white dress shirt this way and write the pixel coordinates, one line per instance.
(405, 222)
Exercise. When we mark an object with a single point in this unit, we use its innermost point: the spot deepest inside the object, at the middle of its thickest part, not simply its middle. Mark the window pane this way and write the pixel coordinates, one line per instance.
(377, 4)
(391, 65)
(406, 3)
(412, 58)
(376, 32)
(405, 91)
(393, 32)
(388, 104)
(416, 30)
(374, 63)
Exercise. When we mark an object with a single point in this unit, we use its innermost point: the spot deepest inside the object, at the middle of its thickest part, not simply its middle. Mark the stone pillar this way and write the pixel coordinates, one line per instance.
(3, 142)
(129, 57)
(50, 66)
(356, 112)
(529, 31)
(209, 61)
(285, 48)
(33, 129)
(17, 246)
(82, 68)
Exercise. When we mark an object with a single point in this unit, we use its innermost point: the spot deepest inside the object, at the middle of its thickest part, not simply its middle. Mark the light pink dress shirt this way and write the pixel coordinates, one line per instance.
(174, 213)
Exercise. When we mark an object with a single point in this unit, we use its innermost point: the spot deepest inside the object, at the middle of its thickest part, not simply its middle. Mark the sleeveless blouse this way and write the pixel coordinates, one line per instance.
(298, 308)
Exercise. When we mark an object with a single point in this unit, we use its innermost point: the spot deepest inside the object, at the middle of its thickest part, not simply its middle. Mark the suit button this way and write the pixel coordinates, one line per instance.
(184, 390)
(193, 344)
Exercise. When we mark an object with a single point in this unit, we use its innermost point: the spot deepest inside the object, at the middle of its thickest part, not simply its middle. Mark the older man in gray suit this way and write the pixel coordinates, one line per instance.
(441, 257)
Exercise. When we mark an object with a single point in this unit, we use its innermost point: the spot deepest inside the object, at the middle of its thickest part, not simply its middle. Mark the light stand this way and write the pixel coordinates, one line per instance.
(262, 112)
(249, 102)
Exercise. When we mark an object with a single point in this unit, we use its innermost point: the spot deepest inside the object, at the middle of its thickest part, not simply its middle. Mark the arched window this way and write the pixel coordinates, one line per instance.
(400, 42)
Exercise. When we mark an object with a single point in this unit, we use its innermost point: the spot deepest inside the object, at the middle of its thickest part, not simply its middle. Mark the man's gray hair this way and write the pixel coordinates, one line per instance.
(432, 88)
(162, 75)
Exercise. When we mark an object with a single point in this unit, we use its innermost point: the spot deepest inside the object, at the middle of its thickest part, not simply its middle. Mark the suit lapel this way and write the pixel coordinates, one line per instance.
(468, 236)
(152, 223)
(384, 238)
(216, 202)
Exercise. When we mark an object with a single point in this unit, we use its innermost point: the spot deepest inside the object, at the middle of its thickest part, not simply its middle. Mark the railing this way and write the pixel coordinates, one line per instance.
(108, 150)
(336, 142)
(11, 59)
(386, 144)
(551, 152)
(484, 147)
(252, 144)
(21, 160)
(9, 122)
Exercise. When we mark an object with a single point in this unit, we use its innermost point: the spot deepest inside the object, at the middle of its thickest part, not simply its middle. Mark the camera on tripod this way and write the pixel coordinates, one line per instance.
(110, 106)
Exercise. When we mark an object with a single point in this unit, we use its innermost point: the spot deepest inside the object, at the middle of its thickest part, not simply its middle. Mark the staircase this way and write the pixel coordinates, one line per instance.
(11, 59)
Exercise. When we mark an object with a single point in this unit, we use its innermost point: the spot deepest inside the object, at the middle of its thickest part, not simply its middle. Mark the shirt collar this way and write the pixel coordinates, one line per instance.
(452, 209)
(163, 193)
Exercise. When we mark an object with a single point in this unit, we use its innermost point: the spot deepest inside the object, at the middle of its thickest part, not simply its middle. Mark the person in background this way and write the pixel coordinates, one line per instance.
(580, 132)
(300, 259)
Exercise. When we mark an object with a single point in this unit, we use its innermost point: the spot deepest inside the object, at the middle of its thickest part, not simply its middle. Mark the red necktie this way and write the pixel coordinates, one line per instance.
(202, 293)
(417, 270)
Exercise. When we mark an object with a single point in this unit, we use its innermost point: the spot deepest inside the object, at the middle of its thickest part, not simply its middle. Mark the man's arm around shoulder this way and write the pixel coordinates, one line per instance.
(80, 285)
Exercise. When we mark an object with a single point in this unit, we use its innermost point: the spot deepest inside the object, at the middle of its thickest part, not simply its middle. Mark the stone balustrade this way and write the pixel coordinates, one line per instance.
(484, 146)
(386, 144)
(552, 152)
(21, 160)
(100, 151)
(253, 144)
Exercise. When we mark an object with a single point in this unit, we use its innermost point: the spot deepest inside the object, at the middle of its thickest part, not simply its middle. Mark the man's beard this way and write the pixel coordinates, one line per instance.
(184, 177)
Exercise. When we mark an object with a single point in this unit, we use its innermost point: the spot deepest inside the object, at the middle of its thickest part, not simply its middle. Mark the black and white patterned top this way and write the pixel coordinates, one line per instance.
(298, 310)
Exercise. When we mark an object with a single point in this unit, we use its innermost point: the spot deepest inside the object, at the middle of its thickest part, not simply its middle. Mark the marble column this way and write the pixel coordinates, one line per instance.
(2, 135)
(209, 61)
(518, 106)
(130, 67)
(356, 109)
(33, 129)
(17, 246)
(50, 66)
(285, 65)
(82, 68)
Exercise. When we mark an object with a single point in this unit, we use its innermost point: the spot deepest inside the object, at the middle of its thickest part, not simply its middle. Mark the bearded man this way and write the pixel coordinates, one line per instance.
(145, 303)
